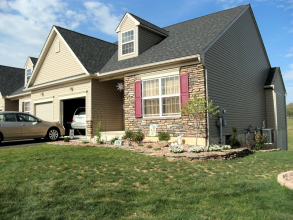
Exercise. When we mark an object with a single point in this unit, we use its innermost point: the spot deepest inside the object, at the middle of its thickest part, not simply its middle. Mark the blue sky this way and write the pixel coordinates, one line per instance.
(25, 24)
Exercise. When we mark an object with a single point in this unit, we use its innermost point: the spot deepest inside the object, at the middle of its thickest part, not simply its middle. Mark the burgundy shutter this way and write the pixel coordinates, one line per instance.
(137, 95)
(184, 91)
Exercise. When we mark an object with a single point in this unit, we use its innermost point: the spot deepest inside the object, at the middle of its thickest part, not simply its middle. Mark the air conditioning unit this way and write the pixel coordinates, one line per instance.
(269, 133)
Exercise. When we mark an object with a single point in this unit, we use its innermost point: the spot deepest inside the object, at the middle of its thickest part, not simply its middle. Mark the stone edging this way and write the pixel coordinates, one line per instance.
(222, 155)
(286, 179)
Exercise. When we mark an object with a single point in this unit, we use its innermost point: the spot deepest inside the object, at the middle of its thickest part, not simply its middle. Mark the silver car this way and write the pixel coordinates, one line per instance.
(19, 125)
(79, 119)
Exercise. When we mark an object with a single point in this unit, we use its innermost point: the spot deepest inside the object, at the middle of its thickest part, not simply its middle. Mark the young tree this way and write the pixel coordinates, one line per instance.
(199, 109)
(289, 109)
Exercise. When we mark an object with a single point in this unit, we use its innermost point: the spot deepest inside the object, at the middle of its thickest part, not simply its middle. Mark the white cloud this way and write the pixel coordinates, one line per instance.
(288, 75)
(289, 55)
(102, 17)
(25, 24)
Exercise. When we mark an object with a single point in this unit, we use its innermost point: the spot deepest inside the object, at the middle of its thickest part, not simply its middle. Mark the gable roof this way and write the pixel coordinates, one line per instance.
(150, 25)
(92, 52)
(272, 77)
(11, 79)
(34, 60)
(184, 39)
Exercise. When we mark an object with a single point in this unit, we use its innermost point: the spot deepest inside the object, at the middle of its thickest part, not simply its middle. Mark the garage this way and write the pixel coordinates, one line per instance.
(44, 111)
(68, 107)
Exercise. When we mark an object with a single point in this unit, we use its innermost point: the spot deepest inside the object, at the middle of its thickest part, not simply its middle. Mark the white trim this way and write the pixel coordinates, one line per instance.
(27, 101)
(26, 64)
(276, 118)
(25, 75)
(160, 75)
(72, 95)
(132, 41)
(19, 95)
(43, 100)
(208, 119)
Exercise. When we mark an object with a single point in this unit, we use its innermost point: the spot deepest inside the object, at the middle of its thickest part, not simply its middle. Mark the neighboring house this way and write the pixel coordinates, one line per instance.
(220, 56)
(11, 79)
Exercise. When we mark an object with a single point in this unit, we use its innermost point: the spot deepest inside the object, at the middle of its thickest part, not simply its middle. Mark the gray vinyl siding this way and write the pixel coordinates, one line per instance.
(270, 123)
(237, 67)
(281, 102)
(147, 39)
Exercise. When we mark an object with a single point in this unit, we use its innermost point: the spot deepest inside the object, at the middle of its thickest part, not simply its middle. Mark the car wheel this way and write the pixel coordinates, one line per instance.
(53, 134)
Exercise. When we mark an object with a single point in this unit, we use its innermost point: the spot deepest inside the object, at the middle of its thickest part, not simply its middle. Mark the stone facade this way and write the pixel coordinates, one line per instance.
(89, 128)
(176, 126)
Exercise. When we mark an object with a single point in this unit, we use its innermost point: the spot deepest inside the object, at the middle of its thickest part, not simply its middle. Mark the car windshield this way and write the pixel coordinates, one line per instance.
(80, 111)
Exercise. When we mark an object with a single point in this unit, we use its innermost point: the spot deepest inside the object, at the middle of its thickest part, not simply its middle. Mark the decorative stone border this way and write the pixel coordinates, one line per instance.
(286, 179)
(221, 155)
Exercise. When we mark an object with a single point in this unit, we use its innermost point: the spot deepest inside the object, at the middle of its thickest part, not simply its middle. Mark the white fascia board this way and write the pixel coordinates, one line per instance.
(123, 19)
(17, 96)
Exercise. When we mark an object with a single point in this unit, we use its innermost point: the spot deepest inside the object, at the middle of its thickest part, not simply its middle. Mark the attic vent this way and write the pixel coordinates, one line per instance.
(57, 46)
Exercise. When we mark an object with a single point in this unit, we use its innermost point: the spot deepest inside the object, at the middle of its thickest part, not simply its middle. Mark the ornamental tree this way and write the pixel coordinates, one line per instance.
(199, 109)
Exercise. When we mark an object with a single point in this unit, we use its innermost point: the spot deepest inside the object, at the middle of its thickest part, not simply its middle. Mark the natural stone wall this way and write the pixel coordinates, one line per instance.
(177, 126)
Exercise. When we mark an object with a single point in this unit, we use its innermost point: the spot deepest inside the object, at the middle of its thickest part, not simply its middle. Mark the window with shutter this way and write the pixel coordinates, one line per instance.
(184, 89)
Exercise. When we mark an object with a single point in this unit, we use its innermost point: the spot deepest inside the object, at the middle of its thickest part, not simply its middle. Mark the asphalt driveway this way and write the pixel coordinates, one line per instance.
(21, 143)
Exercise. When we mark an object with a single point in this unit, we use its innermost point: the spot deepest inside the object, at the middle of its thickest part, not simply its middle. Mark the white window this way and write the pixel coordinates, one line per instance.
(28, 75)
(161, 97)
(128, 42)
(26, 107)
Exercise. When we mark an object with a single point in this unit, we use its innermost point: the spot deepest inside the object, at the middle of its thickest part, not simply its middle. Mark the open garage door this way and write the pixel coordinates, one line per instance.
(69, 107)
(44, 111)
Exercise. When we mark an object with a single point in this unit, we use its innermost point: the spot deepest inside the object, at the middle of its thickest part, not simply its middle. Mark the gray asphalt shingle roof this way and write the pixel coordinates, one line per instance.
(184, 39)
(93, 53)
(11, 79)
(34, 60)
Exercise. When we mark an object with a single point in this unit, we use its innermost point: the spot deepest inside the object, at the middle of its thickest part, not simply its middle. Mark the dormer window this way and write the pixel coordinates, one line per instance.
(28, 75)
(128, 42)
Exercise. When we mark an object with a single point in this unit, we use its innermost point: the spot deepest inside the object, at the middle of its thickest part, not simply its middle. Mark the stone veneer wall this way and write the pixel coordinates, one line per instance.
(180, 126)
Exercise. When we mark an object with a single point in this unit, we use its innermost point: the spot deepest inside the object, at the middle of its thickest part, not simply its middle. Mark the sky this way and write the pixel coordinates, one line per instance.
(25, 24)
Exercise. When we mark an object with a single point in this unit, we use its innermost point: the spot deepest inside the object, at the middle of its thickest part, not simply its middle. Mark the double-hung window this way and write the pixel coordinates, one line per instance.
(161, 97)
(26, 107)
(128, 42)
(28, 74)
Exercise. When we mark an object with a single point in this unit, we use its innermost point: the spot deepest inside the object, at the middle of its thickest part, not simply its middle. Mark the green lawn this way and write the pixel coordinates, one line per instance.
(70, 182)
(290, 133)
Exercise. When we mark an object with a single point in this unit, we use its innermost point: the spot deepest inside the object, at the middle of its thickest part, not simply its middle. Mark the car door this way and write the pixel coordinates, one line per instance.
(31, 127)
(9, 126)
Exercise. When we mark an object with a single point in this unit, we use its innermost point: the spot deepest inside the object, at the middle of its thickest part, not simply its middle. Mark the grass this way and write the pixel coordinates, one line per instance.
(71, 182)
(290, 133)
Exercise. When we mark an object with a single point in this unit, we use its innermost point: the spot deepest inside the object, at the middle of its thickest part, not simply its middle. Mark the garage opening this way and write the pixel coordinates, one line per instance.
(69, 108)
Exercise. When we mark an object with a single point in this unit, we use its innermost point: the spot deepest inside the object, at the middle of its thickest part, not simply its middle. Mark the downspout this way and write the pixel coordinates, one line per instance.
(276, 115)
(201, 59)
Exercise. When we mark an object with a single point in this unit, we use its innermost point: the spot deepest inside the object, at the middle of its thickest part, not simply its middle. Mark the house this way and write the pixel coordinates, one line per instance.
(220, 56)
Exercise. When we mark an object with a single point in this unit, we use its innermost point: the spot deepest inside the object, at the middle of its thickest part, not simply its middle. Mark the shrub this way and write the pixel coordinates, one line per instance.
(98, 132)
(158, 148)
(149, 146)
(138, 136)
(234, 141)
(66, 139)
(197, 149)
(216, 147)
(176, 149)
(140, 144)
(260, 141)
(114, 139)
(164, 136)
(85, 142)
(101, 142)
(128, 135)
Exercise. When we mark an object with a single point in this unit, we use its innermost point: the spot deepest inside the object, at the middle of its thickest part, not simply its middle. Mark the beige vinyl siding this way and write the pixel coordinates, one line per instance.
(147, 39)
(57, 65)
(270, 122)
(237, 68)
(10, 105)
(29, 64)
(127, 25)
(23, 99)
(107, 106)
(54, 93)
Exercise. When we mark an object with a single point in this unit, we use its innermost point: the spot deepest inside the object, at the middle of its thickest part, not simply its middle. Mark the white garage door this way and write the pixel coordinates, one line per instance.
(44, 111)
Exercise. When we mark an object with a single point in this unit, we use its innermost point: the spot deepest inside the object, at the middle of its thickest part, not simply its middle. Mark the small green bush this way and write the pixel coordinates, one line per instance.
(114, 139)
(260, 141)
(164, 136)
(66, 139)
(85, 142)
(128, 135)
(234, 141)
(149, 146)
(140, 144)
(138, 136)
(98, 132)
(101, 142)
(157, 148)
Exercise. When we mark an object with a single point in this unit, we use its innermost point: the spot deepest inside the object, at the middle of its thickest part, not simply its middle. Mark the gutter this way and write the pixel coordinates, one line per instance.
(19, 95)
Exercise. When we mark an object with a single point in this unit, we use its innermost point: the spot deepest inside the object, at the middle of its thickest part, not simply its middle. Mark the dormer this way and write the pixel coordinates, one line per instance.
(29, 67)
(136, 35)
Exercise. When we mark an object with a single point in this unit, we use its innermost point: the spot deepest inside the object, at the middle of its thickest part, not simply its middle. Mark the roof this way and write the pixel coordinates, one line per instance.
(34, 60)
(11, 79)
(19, 91)
(270, 76)
(150, 25)
(184, 39)
(93, 53)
